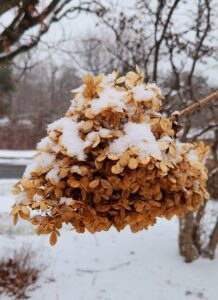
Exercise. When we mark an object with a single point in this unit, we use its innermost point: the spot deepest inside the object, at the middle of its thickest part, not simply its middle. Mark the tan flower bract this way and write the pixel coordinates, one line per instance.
(113, 160)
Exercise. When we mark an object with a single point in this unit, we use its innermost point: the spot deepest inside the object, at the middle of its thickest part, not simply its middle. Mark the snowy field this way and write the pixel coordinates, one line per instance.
(111, 265)
(15, 157)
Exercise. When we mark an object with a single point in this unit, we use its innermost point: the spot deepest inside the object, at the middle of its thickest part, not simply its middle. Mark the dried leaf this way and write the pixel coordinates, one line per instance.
(124, 159)
(133, 163)
(94, 183)
(53, 238)
(87, 126)
(117, 169)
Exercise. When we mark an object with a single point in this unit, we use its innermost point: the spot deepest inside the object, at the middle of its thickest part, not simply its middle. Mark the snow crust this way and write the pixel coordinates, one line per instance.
(53, 174)
(109, 98)
(65, 200)
(139, 136)
(140, 94)
(70, 138)
(43, 160)
(192, 156)
(46, 142)
(20, 197)
(37, 198)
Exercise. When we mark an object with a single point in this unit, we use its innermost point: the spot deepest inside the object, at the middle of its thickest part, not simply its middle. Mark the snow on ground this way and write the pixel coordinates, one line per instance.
(6, 198)
(4, 121)
(111, 265)
(17, 153)
(6, 201)
(16, 157)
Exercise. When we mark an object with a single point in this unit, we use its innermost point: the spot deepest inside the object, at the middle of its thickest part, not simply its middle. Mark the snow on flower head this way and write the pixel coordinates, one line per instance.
(112, 160)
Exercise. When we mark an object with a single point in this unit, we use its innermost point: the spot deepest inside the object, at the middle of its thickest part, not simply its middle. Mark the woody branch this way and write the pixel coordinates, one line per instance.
(192, 108)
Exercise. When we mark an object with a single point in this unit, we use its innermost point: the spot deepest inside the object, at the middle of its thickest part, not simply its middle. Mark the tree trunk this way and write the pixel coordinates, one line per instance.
(197, 227)
(210, 250)
(186, 242)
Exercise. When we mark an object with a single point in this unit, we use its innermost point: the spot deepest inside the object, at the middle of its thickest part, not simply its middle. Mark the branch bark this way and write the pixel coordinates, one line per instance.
(186, 246)
(192, 108)
(160, 40)
(213, 242)
(27, 16)
(7, 5)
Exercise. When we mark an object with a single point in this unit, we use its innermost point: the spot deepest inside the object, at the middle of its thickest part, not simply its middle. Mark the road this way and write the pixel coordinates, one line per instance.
(11, 171)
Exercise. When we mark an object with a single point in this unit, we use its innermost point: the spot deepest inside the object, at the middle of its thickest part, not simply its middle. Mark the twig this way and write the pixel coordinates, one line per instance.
(119, 266)
(90, 271)
(198, 105)
(87, 271)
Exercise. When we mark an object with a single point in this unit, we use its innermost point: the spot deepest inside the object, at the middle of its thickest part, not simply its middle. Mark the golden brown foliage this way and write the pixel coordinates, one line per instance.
(106, 189)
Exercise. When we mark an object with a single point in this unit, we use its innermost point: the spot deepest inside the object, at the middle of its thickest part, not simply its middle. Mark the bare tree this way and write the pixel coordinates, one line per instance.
(31, 19)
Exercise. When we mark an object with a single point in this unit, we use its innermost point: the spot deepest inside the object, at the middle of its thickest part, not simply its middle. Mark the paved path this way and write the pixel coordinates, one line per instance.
(11, 171)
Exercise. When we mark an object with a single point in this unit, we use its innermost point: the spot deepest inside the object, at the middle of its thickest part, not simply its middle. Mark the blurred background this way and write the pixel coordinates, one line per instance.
(46, 46)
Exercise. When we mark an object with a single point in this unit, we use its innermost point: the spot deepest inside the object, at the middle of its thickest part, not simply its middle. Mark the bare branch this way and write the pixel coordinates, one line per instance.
(28, 17)
(198, 105)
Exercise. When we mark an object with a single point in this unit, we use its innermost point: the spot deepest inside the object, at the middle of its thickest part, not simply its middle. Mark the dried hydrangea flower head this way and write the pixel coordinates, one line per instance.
(112, 160)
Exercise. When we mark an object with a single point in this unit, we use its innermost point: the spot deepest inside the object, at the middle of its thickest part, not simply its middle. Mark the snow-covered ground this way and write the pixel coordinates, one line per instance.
(110, 265)
(16, 157)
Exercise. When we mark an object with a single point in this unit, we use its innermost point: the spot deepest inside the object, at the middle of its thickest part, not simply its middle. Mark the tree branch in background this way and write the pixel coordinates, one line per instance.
(209, 251)
(161, 39)
(204, 12)
(7, 5)
(27, 16)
